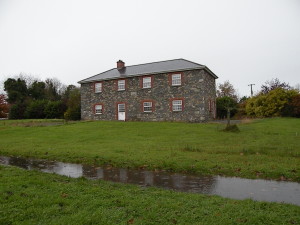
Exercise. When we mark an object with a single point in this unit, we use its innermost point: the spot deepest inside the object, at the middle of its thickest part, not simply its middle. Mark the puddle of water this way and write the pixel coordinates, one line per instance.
(235, 188)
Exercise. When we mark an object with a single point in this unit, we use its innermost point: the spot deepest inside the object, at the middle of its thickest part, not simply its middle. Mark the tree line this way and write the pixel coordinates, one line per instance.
(31, 98)
(28, 98)
(275, 98)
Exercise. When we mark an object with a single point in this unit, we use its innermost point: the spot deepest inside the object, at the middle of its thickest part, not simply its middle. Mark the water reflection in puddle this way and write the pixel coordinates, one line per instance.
(236, 188)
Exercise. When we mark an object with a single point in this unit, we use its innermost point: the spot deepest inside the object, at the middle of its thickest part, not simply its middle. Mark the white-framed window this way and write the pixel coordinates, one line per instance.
(98, 109)
(98, 87)
(146, 82)
(121, 85)
(176, 79)
(177, 105)
(147, 106)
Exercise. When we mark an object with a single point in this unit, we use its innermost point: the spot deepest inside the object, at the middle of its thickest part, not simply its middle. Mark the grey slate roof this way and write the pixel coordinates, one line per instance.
(148, 69)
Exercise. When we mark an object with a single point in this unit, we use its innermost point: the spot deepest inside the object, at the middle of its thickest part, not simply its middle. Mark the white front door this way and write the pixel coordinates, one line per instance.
(121, 111)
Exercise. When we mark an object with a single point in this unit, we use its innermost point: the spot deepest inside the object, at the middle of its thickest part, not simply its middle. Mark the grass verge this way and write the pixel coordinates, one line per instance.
(268, 148)
(32, 197)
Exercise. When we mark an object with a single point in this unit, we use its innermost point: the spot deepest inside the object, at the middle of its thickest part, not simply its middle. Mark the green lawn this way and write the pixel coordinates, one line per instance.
(268, 148)
(32, 197)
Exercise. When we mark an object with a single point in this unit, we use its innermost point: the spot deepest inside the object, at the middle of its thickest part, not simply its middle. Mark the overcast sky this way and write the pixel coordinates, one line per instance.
(243, 41)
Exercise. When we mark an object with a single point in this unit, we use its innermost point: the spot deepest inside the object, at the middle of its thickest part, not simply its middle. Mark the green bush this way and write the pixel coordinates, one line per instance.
(36, 109)
(223, 103)
(55, 109)
(17, 111)
(295, 106)
(73, 113)
(274, 103)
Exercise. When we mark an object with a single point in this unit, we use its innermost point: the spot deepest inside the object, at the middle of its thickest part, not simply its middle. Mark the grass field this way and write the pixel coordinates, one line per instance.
(32, 197)
(268, 148)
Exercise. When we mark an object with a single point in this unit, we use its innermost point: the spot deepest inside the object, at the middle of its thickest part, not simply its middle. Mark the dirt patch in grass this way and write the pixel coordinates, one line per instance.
(232, 128)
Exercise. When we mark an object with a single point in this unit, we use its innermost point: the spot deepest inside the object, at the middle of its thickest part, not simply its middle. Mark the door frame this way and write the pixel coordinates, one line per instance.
(117, 110)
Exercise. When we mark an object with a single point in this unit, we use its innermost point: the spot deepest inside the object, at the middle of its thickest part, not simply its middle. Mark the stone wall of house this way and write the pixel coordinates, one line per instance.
(198, 91)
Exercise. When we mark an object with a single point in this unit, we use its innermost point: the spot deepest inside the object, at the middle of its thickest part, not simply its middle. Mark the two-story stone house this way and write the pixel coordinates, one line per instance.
(173, 90)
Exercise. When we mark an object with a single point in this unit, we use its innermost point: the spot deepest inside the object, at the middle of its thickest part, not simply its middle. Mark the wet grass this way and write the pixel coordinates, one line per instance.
(268, 148)
(32, 197)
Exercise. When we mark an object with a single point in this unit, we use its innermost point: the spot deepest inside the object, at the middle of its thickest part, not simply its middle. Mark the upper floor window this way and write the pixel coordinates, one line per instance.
(98, 87)
(121, 85)
(147, 107)
(147, 82)
(98, 109)
(176, 79)
(177, 105)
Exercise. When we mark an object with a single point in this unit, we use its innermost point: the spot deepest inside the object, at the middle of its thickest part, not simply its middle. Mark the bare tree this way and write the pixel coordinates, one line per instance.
(273, 84)
(226, 89)
(28, 78)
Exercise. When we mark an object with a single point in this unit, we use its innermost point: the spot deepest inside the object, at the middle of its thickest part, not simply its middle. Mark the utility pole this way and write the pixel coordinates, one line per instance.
(251, 88)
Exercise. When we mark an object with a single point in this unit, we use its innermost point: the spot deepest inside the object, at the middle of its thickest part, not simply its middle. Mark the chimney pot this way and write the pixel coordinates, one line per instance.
(120, 64)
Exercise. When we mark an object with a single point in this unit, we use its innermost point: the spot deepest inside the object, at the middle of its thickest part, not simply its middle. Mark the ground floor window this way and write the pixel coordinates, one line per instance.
(177, 105)
(147, 106)
(98, 109)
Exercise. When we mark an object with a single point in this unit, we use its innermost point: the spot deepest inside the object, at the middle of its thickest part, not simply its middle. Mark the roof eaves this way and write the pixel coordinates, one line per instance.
(83, 81)
(144, 74)
(210, 72)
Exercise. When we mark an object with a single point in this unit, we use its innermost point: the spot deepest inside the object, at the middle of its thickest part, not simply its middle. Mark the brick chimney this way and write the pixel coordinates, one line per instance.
(120, 64)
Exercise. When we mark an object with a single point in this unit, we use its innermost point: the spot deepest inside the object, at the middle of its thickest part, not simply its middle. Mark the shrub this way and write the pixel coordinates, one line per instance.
(55, 109)
(35, 109)
(223, 103)
(241, 108)
(17, 111)
(274, 103)
(295, 106)
(73, 113)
